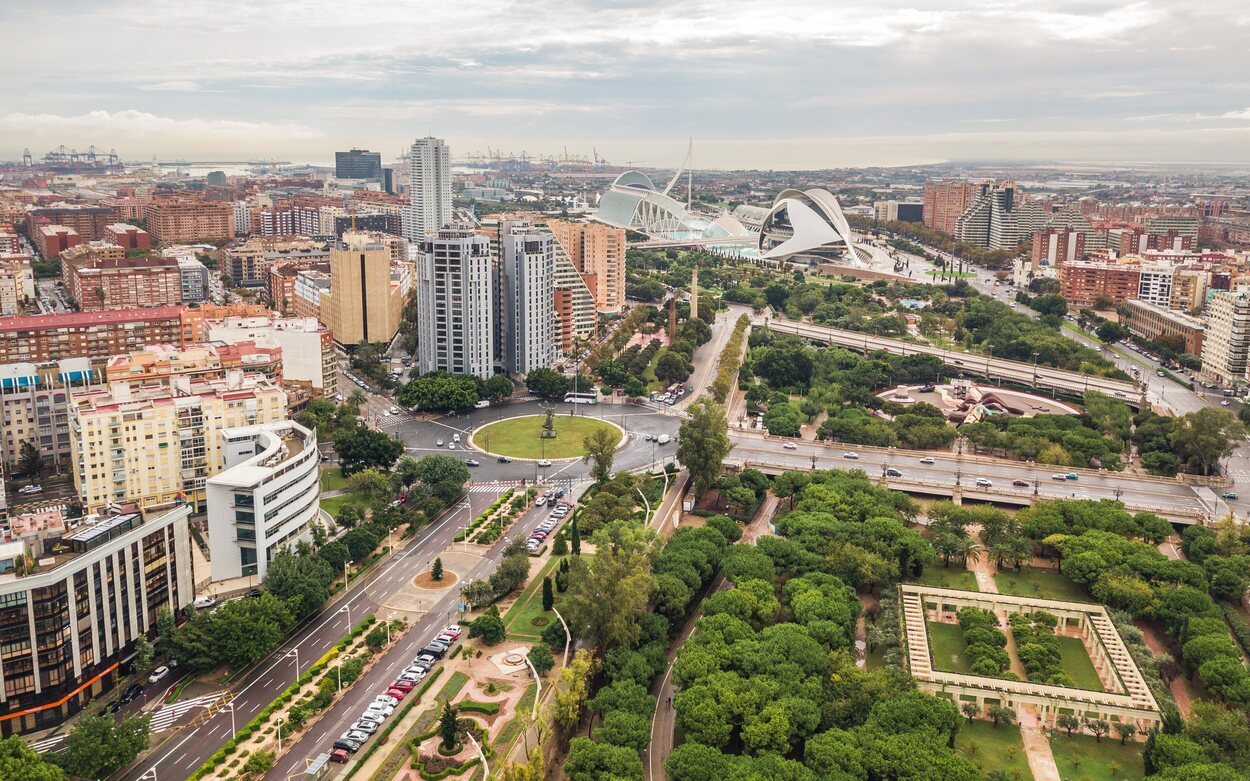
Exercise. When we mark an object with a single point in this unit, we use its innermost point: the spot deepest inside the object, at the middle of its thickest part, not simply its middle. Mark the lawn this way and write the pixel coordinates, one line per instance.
(519, 619)
(946, 646)
(332, 479)
(1043, 583)
(518, 437)
(1075, 662)
(334, 503)
(948, 577)
(1080, 756)
(993, 748)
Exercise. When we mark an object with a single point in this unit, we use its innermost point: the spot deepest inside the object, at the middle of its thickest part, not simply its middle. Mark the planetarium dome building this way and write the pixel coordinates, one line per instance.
(806, 225)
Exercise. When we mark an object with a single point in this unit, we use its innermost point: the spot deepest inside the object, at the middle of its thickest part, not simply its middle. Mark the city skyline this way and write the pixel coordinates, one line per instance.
(806, 85)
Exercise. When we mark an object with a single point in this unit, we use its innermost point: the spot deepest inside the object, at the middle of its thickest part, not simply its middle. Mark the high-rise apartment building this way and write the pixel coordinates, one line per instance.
(999, 218)
(526, 295)
(944, 201)
(455, 303)
(68, 623)
(358, 164)
(429, 188)
(598, 252)
(1227, 340)
(575, 304)
(157, 446)
(362, 305)
(266, 498)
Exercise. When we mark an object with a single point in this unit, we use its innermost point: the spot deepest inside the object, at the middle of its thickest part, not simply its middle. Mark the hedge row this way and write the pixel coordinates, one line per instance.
(730, 361)
(481, 519)
(473, 706)
(1241, 629)
(281, 700)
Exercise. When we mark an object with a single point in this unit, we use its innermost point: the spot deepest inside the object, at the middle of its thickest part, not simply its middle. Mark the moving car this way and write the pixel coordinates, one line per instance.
(504, 460)
(664, 439)
(540, 501)
(892, 472)
(1020, 483)
(483, 404)
(544, 462)
(984, 482)
(131, 694)
(439, 443)
(158, 674)
(30, 489)
(850, 454)
(928, 460)
(472, 462)
(204, 602)
(394, 410)
(790, 446)
(1071, 476)
(455, 437)
(1230, 495)
(1058, 476)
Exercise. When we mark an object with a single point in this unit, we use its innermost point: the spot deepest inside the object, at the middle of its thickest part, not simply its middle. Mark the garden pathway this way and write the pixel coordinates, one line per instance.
(1179, 685)
(1036, 743)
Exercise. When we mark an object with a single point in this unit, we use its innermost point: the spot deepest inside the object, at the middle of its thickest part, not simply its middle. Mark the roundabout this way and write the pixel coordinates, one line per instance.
(520, 437)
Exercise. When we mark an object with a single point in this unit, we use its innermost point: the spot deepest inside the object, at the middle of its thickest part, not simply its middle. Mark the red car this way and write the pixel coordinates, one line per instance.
(396, 693)
(403, 686)
(340, 755)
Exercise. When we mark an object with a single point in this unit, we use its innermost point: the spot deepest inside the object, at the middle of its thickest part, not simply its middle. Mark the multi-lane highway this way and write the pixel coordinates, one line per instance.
(1173, 499)
(1016, 371)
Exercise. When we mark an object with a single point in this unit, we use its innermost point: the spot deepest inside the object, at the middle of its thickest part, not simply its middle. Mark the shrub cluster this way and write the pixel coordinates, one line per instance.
(986, 643)
(1038, 647)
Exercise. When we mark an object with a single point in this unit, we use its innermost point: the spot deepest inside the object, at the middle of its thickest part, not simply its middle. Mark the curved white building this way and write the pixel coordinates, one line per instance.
(805, 225)
(265, 500)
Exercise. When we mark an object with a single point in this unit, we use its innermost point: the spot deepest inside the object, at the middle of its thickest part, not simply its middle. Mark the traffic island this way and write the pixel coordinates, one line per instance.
(522, 437)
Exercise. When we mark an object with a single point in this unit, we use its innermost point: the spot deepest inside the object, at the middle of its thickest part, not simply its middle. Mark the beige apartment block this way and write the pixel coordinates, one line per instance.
(598, 252)
(158, 445)
(366, 290)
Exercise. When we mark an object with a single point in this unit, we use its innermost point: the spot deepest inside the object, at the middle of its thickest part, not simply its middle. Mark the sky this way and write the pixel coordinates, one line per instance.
(766, 84)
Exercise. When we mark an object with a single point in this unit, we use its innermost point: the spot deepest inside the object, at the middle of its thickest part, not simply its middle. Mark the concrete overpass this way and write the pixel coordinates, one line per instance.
(1041, 377)
(954, 476)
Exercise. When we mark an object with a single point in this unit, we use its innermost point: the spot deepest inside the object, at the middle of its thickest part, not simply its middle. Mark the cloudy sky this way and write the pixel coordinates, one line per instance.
(756, 83)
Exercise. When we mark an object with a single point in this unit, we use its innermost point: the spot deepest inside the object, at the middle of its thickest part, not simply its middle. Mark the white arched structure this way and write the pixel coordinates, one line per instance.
(806, 223)
(634, 202)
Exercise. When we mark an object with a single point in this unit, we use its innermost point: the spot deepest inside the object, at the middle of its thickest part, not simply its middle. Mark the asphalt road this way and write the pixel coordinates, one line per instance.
(1140, 494)
(347, 710)
(185, 751)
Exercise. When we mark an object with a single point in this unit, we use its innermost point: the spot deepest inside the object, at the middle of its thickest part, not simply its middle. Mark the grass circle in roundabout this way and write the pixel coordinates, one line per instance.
(519, 437)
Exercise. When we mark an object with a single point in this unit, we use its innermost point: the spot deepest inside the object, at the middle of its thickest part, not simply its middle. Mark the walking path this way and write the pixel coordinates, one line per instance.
(1036, 743)
(1179, 686)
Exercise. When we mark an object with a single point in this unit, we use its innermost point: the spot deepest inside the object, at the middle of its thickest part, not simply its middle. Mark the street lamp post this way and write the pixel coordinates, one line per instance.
(278, 722)
(567, 637)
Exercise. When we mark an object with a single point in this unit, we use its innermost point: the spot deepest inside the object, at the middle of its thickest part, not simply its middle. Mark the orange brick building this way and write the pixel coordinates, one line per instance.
(174, 221)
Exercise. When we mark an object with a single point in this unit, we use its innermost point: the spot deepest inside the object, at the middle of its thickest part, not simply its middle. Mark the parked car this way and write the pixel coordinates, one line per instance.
(437, 650)
(347, 745)
(455, 630)
(368, 715)
(131, 694)
(365, 726)
(483, 404)
(398, 694)
(158, 674)
(354, 735)
(340, 755)
(445, 639)
(387, 699)
(204, 602)
(380, 708)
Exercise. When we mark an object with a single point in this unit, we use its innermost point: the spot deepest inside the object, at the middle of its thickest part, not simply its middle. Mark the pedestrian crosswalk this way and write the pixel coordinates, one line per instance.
(44, 746)
(169, 714)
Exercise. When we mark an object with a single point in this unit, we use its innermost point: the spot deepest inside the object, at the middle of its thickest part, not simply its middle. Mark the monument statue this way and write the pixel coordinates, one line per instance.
(549, 426)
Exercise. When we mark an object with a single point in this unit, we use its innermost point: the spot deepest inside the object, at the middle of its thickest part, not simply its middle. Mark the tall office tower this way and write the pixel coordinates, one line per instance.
(358, 164)
(944, 201)
(360, 306)
(455, 303)
(527, 288)
(429, 188)
(598, 252)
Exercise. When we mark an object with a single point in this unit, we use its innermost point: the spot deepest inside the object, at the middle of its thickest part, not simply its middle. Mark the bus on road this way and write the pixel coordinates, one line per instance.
(581, 398)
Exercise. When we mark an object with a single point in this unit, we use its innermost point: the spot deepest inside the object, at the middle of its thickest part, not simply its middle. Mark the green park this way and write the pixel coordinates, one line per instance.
(522, 437)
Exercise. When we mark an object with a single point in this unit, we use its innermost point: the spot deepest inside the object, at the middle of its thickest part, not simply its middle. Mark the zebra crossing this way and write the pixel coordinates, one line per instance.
(44, 746)
(168, 715)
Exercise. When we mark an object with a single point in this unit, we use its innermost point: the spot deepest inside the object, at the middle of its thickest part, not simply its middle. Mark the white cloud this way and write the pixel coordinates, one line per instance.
(179, 85)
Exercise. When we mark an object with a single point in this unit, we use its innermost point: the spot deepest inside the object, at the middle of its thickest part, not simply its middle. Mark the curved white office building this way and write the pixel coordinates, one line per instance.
(265, 500)
(805, 225)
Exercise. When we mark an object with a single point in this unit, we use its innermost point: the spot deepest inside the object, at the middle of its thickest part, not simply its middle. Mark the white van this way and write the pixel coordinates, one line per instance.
(664, 439)
(483, 404)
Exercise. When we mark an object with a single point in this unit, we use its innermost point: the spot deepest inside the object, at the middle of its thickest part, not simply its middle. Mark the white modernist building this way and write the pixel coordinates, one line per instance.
(266, 499)
(805, 225)
(455, 303)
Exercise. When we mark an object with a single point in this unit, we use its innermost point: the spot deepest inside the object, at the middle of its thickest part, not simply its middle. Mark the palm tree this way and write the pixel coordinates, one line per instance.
(1000, 551)
(357, 398)
(946, 546)
(969, 550)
